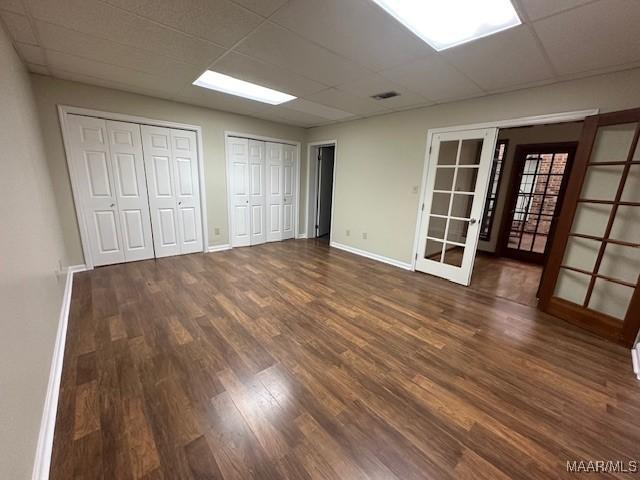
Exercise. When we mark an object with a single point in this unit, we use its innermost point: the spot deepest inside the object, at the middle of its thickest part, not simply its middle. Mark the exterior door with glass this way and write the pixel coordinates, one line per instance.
(457, 180)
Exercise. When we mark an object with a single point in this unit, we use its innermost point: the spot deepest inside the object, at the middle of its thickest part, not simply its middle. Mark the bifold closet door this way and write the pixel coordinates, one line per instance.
(171, 162)
(281, 166)
(110, 183)
(288, 191)
(275, 190)
(125, 144)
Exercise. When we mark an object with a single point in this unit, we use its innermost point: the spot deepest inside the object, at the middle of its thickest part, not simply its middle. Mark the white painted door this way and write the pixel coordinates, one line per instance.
(187, 182)
(257, 196)
(240, 211)
(457, 181)
(171, 163)
(288, 191)
(275, 191)
(156, 143)
(95, 184)
(125, 145)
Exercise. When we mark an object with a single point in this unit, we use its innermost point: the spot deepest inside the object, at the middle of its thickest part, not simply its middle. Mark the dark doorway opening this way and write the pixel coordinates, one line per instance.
(326, 158)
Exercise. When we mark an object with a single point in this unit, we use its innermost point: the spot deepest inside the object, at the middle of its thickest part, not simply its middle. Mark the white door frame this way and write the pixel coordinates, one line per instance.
(312, 186)
(64, 110)
(562, 117)
(252, 136)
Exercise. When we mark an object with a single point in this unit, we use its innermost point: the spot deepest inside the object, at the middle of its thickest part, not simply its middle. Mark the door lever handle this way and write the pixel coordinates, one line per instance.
(472, 221)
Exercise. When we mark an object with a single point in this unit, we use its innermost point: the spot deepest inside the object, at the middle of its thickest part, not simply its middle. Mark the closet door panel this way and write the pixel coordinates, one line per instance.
(238, 152)
(288, 193)
(257, 195)
(185, 157)
(96, 189)
(275, 191)
(159, 168)
(125, 143)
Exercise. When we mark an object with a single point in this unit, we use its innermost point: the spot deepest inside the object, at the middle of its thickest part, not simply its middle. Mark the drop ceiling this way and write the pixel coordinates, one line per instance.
(332, 54)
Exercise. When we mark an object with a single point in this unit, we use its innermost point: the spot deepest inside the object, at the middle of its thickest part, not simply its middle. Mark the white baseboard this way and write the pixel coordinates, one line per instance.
(635, 358)
(301, 236)
(48, 422)
(218, 248)
(373, 256)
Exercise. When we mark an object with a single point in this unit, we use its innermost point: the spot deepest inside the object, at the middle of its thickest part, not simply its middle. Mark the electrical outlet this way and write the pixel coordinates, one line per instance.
(216, 231)
(348, 232)
(364, 235)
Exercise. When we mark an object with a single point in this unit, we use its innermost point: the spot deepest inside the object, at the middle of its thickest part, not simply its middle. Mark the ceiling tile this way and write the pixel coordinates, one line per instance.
(291, 117)
(434, 79)
(30, 53)
(503, 60)
(313, 108)
(54, 37)
(19, 28)
(221, 21)
(281, 47)
(105, 21)
(262, 7)
(356, 29)
(108, 83)
(376, 83)
(170, 82)
(14, 6)
(536, 9)
(348, 102)
(253, 70)
(595, 36)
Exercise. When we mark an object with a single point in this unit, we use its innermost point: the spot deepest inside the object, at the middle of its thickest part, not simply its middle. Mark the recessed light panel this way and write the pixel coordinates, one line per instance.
(233, 86)
(447, 23)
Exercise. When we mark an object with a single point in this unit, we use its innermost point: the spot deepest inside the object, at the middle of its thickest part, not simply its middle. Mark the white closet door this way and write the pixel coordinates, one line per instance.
(185, 159)
(125, 145)
(160, 169)
(96, 188)
(257, 197)
(288, 192)
(238, 151)
(275, 191)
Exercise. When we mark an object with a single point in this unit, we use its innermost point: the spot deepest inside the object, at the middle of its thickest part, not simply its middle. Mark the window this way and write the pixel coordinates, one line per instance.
(492, 192)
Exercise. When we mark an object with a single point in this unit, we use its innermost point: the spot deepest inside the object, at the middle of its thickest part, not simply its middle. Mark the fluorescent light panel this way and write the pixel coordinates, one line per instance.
(233, 86)
(446, 23)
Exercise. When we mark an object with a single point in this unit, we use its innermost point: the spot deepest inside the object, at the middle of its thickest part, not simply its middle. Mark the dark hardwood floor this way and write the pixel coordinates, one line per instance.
(294, 360)
(503, 277)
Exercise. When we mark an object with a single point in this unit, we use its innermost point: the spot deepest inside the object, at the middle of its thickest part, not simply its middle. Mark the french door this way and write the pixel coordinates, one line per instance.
(593, 271)
(537, 189)
(457, 181)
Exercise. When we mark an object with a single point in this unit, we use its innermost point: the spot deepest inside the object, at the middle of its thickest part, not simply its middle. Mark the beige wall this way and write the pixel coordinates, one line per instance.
(379, 160)
(32, 250)
(49, 92)
(562, 132)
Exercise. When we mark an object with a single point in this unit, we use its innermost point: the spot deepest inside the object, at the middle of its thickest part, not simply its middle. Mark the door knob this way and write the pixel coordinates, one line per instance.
(112, 205)
(472, 221)
(179, 203)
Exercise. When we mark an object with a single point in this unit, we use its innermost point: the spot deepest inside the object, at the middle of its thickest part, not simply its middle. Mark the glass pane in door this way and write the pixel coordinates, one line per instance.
(536, 203)
(454, 187)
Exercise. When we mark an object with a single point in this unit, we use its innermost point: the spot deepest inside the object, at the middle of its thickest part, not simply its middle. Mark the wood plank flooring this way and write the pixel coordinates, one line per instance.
(503, 277)
(294, 360)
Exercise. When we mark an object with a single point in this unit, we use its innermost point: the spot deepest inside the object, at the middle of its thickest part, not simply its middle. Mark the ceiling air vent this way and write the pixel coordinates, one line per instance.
(385, 95)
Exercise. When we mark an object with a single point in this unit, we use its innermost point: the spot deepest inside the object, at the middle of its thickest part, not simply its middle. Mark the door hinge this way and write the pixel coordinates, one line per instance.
(422, 207)
(430, 147)
(416, 255)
